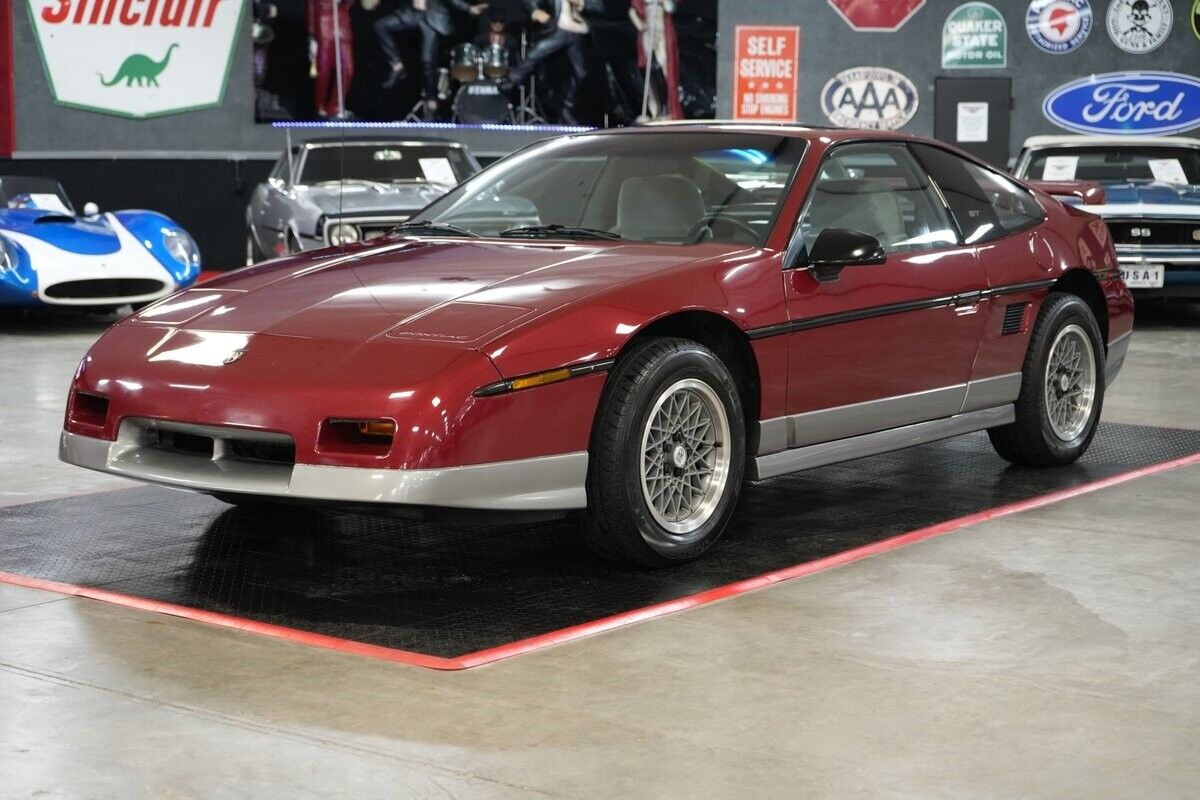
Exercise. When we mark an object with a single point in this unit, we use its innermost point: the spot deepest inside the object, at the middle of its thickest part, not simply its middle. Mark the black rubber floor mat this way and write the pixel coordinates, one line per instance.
(450, 591)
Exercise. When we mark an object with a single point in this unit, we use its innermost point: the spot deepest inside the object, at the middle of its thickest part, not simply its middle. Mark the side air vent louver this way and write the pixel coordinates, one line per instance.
(1014, 315)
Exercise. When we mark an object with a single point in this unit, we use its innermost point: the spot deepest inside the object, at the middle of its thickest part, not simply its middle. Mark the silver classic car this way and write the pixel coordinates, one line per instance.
(342, 189)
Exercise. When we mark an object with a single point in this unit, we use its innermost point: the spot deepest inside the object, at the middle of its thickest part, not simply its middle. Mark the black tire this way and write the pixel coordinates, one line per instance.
(621, 524)
(1031, 440)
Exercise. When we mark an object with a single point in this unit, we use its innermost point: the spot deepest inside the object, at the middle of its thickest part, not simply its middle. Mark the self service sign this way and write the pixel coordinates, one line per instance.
(766, 67)
(974, 37)
(137, 58)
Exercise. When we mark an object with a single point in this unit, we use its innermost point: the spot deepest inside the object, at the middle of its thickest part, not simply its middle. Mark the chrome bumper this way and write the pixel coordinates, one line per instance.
(548, 483)
(1158, 254)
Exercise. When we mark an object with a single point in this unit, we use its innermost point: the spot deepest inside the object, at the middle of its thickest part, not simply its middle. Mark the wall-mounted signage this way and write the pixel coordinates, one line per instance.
(1139, 26)
(874, 98)
(1058, 26)
(876, 15)
(1126, 103)
(766, 68)
(136, 58)
(974, 36)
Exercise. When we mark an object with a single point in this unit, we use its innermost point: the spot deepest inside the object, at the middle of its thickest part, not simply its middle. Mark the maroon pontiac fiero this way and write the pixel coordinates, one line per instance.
(630, 323)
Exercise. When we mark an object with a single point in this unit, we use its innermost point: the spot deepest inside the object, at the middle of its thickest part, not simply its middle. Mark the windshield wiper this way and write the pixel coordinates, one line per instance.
(434, 228)
(563, 231)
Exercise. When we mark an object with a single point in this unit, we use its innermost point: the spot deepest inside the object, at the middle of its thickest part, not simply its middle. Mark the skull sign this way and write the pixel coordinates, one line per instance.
(1139, 26)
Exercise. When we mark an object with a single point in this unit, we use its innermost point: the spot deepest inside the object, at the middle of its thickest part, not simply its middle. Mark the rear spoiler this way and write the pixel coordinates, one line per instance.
(1089, 193)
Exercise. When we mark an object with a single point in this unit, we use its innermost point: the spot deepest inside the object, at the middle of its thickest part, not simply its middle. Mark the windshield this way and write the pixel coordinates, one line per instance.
(1178, 165)
(676, 188)
(40, 193)
(385, 163)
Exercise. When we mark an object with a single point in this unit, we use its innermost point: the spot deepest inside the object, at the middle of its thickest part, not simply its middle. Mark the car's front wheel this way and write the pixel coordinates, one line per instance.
(667, 454)
(1062, 388)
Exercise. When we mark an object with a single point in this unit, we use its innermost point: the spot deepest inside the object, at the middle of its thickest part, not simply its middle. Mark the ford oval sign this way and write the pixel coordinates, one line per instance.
(1134, 103)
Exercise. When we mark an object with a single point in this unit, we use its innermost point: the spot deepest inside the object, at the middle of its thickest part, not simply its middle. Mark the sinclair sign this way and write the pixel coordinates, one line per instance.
(137, 58)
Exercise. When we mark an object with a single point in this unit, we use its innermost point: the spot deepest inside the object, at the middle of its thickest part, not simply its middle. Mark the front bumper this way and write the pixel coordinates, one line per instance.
(547, 483)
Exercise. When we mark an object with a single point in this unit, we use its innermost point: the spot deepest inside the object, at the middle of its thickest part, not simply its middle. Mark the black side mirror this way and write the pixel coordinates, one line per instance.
(837, 248)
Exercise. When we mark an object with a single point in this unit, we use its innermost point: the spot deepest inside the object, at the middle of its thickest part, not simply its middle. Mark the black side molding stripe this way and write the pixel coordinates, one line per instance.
(1017, 288)
(894, 308)
(577, 371)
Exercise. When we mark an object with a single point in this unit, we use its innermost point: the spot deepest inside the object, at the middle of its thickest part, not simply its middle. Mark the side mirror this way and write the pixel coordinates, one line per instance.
(90, 209)
(837, 248)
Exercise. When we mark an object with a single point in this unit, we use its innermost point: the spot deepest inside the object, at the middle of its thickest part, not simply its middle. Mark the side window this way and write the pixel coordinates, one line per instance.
(881, 190)
(986, 205)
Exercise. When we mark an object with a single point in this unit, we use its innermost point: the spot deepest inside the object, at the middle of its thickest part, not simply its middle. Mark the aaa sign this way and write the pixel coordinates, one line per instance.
(766, 65)
(136, 58)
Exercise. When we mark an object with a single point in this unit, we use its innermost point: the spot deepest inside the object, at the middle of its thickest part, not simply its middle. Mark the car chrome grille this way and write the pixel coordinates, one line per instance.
(97, 288)
(1155, 232)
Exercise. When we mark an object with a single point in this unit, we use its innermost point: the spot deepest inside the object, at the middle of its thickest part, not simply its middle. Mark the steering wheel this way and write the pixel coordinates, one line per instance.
(736, 229)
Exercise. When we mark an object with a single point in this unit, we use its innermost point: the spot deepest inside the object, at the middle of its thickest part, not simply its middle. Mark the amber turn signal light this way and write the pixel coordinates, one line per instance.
(377, 429)
(541, 379)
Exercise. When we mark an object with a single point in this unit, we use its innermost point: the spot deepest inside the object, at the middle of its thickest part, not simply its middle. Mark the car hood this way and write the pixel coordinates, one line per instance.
(359, 198)
(455, 292)
(85, 236)
(1153, 198)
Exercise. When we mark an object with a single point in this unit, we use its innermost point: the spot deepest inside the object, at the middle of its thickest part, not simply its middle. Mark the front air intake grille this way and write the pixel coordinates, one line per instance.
(1014, 317)
(98, 288)
(188, 444)
(270, 452)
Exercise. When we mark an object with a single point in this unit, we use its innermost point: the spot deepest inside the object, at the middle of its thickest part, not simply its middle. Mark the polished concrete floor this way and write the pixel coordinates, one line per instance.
(1050, 654)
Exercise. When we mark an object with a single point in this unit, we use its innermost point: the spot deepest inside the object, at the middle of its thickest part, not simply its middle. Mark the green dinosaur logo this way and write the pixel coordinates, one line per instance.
(139, 68)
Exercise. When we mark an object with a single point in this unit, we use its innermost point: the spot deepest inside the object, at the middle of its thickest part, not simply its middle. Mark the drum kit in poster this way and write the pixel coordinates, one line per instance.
(478, 72)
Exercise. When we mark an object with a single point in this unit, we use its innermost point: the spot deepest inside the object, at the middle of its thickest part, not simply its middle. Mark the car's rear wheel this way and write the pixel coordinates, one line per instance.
(1062, 388)
(667, 455)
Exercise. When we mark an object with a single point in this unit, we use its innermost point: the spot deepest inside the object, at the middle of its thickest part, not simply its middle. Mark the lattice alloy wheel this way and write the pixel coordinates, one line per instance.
(1070, 382)
(667, 454)
(685, 456)
(1062, 387)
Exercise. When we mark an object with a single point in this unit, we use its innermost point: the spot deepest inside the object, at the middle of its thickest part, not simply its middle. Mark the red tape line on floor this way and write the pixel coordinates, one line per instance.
(532, 644)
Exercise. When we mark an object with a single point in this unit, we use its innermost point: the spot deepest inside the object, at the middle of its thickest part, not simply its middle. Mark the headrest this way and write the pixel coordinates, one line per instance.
(658, 208)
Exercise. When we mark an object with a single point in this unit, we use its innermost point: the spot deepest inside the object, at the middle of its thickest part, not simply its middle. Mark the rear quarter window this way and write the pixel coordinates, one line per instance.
(986, 204)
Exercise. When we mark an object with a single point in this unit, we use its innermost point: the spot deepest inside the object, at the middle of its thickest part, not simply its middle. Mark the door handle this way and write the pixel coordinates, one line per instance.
(967, 299)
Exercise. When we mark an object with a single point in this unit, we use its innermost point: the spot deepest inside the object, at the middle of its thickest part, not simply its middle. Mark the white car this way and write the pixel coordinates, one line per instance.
(1151, 201)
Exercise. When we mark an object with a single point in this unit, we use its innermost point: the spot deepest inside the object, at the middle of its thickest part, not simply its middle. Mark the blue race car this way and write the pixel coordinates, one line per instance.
(49, 255)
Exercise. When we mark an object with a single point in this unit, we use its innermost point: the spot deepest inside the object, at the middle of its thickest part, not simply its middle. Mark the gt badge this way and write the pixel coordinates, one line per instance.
(1139, 26)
